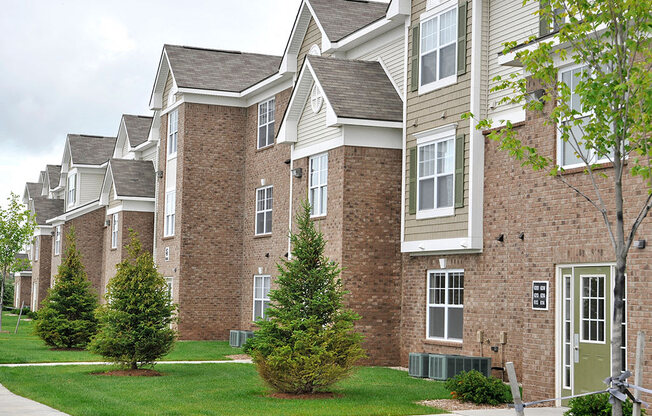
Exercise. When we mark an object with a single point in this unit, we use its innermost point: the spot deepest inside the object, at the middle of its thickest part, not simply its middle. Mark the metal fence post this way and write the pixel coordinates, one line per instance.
(638, 371)
(516, 393)
(19, 315)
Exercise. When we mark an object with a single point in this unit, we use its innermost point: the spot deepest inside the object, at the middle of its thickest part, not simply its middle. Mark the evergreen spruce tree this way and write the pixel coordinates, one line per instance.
(308, 342)
(67, 315)
(135, 323)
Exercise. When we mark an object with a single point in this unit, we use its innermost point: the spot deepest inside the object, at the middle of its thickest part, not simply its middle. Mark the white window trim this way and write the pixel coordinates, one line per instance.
(262, 299)
(72, 191)
(268, 212)
(37, 246)
(316, 99)
(592, 159)
(436, 137)
(266, 125)
(169, 281)
(172, 155)
(57, 240)
(568, 305)
(114, 230)
(170, 211)
(323, 211)
(433, 13)
(446, 306)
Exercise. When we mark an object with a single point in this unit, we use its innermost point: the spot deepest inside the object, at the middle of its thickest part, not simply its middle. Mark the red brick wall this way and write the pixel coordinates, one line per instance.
(22, 291)
(41, 267)
(560, 228)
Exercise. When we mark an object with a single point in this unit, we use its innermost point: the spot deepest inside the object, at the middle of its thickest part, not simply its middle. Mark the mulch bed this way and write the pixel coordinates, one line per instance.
(452, 405)
(141, 372)
(239, 357)
(310, 396)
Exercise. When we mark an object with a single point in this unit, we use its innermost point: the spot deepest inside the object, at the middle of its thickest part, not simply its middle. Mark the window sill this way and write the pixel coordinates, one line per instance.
(169, 237)
(444, 343)
(436, 213)
(444, 82)
(573, 169)
(318, 217)
(260, 149)
(114, 248)
(266, 235)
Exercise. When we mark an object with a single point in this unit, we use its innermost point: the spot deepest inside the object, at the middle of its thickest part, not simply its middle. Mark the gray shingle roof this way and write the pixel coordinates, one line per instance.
(217, 70)
(340, 18)
(134, 178)
(54, 174)
(47, 208)
(34, 189)
(137, 128)
(358, 89)
(90, 150)
(24, 262)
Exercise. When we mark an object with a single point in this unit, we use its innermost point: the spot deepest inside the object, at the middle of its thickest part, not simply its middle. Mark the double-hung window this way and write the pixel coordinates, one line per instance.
(436, 178)
(266, 123)
(445, 314)
(37, 245)
(173, 130)
(438, 51)
(261, 296)
(72, 189)
(170, 210)
(264, 201)
(57, 240)
(318, 186)
(169, 282)
(114, 231)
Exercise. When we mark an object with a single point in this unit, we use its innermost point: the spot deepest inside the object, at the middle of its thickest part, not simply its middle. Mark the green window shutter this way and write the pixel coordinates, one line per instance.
(412, 191)
(544, 24)
(459, 171)
(416, 40)
(461, 38)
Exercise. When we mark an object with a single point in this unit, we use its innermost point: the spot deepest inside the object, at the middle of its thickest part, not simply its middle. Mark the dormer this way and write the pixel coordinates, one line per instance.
(133, 133)
(128, 185)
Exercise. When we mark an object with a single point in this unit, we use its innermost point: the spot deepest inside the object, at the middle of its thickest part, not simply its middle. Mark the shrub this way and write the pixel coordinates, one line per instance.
(476, 388)
(135, 322)
(67, 316)
(596, 405)
(308, 343)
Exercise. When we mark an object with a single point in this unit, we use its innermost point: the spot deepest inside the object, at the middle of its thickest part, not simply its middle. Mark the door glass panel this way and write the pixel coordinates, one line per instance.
(593, 308)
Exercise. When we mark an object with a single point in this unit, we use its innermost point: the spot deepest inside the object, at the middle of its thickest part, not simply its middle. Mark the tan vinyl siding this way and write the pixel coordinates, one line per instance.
(125, 148)
(312, 128)
(509, 20)
(90, 186)
(149, 154)
(166, 91)
(424, 112)
(112, 201)
(392, 56)
(313, 37)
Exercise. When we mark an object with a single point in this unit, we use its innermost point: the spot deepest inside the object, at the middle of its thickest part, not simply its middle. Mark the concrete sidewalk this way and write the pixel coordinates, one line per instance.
(14, 405)
(534, 411)
(108, 363)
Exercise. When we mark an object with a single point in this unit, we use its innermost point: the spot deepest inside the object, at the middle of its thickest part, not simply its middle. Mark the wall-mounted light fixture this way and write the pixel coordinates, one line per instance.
(521, 236)
(297, 172)
(501, 238)
(107, 223)
(267, 255)
(159, 174)
(442, 263)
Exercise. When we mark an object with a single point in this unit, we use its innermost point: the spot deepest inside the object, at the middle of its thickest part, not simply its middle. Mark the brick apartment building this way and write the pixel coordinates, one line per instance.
(445, 240)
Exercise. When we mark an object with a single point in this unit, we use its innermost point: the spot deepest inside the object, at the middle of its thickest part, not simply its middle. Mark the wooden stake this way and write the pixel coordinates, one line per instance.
(19, 315)
(516, 393)
(638, 371)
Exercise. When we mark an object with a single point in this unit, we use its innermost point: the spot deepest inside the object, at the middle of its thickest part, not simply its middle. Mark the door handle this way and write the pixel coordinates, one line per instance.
(576, 347)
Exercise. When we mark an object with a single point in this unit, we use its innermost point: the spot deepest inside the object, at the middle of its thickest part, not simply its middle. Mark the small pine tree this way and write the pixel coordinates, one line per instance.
(135, 322)
(308, 343)
(67, 316)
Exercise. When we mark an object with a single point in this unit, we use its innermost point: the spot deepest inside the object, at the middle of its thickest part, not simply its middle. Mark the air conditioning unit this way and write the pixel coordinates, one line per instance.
(234, 339)
(418, 365)
(442, 367)
(246, 336)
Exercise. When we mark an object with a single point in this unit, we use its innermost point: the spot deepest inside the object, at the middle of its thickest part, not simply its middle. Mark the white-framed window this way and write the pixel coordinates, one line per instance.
(262, 284)
(169, 281)
(37, 245)
(72, 189)
(569, 151)
(173, 130)
(34, 305)
(445, 310)
(170, 210)
(438, 49)
(266, 123)
(57, 240)
(593, 309)
(436, 177)
(318, 185)
(264, 202)
(114, 231)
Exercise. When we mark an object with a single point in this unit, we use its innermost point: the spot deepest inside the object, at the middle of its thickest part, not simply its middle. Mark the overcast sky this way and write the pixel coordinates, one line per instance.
(77, 66)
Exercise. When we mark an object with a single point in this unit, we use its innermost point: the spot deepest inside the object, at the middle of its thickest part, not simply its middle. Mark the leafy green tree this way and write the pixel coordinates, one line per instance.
(135, 322)
(308, 342)
(16, 230)
(66, 318)
(611, 41)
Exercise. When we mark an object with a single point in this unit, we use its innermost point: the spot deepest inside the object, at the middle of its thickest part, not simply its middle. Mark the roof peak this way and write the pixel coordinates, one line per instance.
(228, 51)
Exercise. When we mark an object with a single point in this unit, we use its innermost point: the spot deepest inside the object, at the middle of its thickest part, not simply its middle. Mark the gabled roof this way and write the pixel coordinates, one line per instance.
(33, 189)
(54, 175)
(340, 18)
(137, 128)
(90, 150)
(133, 178)
(46, 208)
(218, 70)
(357, 89)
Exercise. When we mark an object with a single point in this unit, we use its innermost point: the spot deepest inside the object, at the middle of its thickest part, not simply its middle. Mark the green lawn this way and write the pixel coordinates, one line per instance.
(24, 347)
(214, 389)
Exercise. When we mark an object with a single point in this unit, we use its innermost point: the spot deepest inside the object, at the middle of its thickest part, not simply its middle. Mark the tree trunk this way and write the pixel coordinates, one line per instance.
(617, 326)
(2, 294)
